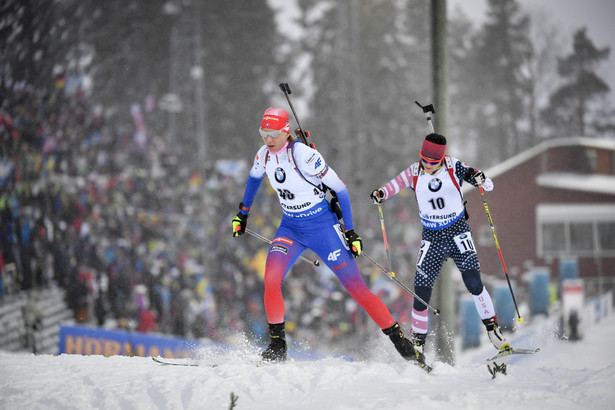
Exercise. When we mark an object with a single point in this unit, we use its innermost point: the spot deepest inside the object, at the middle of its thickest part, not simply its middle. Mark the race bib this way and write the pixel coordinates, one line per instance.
(338, 230)
(464, 242)
(422, 252)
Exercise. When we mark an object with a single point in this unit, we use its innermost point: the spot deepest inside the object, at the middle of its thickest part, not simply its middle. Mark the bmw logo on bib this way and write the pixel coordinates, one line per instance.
(280, 175)
(435, 185)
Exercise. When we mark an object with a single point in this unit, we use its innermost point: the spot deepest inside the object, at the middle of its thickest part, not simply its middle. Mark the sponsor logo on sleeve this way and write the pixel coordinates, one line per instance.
(311, 158)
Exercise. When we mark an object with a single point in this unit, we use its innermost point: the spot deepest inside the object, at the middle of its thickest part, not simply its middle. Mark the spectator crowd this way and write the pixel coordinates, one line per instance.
(139, 236)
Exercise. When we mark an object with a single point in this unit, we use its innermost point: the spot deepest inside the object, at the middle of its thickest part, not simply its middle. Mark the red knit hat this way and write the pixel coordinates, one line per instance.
(276, 119)
(432, 150)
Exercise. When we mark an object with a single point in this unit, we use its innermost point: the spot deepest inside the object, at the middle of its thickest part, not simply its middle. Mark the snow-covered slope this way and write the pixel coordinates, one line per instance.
(563, 375)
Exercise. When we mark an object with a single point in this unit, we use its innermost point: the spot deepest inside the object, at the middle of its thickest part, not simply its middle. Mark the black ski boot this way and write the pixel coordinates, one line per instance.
(276, 351)
(405, 346)
(418, 340)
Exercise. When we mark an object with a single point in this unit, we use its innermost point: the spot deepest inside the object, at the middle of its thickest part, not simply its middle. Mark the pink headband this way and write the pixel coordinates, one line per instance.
(433, 151)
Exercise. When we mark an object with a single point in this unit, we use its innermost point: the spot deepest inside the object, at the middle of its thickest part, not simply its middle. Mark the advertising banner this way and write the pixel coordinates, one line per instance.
(91, 341)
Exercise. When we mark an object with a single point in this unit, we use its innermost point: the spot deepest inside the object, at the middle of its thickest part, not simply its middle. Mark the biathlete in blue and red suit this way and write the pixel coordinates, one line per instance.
(297, 173)
(436, 180)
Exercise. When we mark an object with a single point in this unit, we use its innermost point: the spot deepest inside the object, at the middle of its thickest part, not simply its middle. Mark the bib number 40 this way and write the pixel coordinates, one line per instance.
(286, 194)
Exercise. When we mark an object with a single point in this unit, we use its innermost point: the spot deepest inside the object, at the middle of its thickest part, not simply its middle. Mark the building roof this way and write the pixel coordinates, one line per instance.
(520, 158)
(596, 183)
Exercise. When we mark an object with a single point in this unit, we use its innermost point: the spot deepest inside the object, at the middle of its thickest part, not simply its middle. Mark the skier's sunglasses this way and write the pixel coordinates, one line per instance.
(429, 160)
(270, 134)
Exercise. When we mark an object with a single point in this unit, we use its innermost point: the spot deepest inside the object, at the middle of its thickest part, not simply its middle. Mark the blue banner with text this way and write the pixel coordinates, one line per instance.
(91, 341)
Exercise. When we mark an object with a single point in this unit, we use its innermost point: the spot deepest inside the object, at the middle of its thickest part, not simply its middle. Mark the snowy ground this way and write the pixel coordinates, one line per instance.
(563, 375)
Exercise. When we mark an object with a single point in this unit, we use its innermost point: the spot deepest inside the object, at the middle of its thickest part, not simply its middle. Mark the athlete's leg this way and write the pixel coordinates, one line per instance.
(466, 259)
(329, 243)
(331, 248)
(283, 252)
(428, 264)
(351, 279)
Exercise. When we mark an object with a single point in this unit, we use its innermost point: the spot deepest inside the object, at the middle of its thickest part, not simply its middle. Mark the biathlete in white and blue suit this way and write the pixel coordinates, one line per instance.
(298, 174)
(436, 181)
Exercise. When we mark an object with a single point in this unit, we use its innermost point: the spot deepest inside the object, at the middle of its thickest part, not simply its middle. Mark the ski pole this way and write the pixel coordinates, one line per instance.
(428, 110)
(497, 245)
(286, 90)
(384, 236)
(391, 275)
(315, 262)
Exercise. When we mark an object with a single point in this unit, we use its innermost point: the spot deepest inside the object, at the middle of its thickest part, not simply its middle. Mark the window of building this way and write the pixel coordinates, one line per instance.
(592, 158)
(581, 236)
(554, 237)
(606, 235)
(575, 229)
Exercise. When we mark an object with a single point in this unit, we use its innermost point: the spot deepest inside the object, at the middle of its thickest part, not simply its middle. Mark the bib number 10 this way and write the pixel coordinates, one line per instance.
(437, 203)
(465, 243)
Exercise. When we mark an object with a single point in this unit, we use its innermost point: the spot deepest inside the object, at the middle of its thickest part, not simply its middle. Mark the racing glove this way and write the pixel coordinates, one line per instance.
(480, 179)
(355, 243)
(240, 221)
(377, 196)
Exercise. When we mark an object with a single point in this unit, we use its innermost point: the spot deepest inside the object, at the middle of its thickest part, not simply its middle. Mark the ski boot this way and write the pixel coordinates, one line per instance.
(405, 346)
(418, 340)
(276, 351)
(495, 334)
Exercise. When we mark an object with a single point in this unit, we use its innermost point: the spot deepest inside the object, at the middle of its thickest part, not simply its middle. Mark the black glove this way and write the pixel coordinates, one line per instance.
(479, 177)
(239, 224)
(355, 243)
(377, 196)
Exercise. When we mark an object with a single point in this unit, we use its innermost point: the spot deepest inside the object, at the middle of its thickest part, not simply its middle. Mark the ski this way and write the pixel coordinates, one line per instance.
(512, 351)
(194, 363)
(425, 367)
(178, 362)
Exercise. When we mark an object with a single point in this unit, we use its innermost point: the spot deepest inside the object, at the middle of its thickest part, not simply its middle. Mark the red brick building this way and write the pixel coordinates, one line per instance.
(551, 202)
